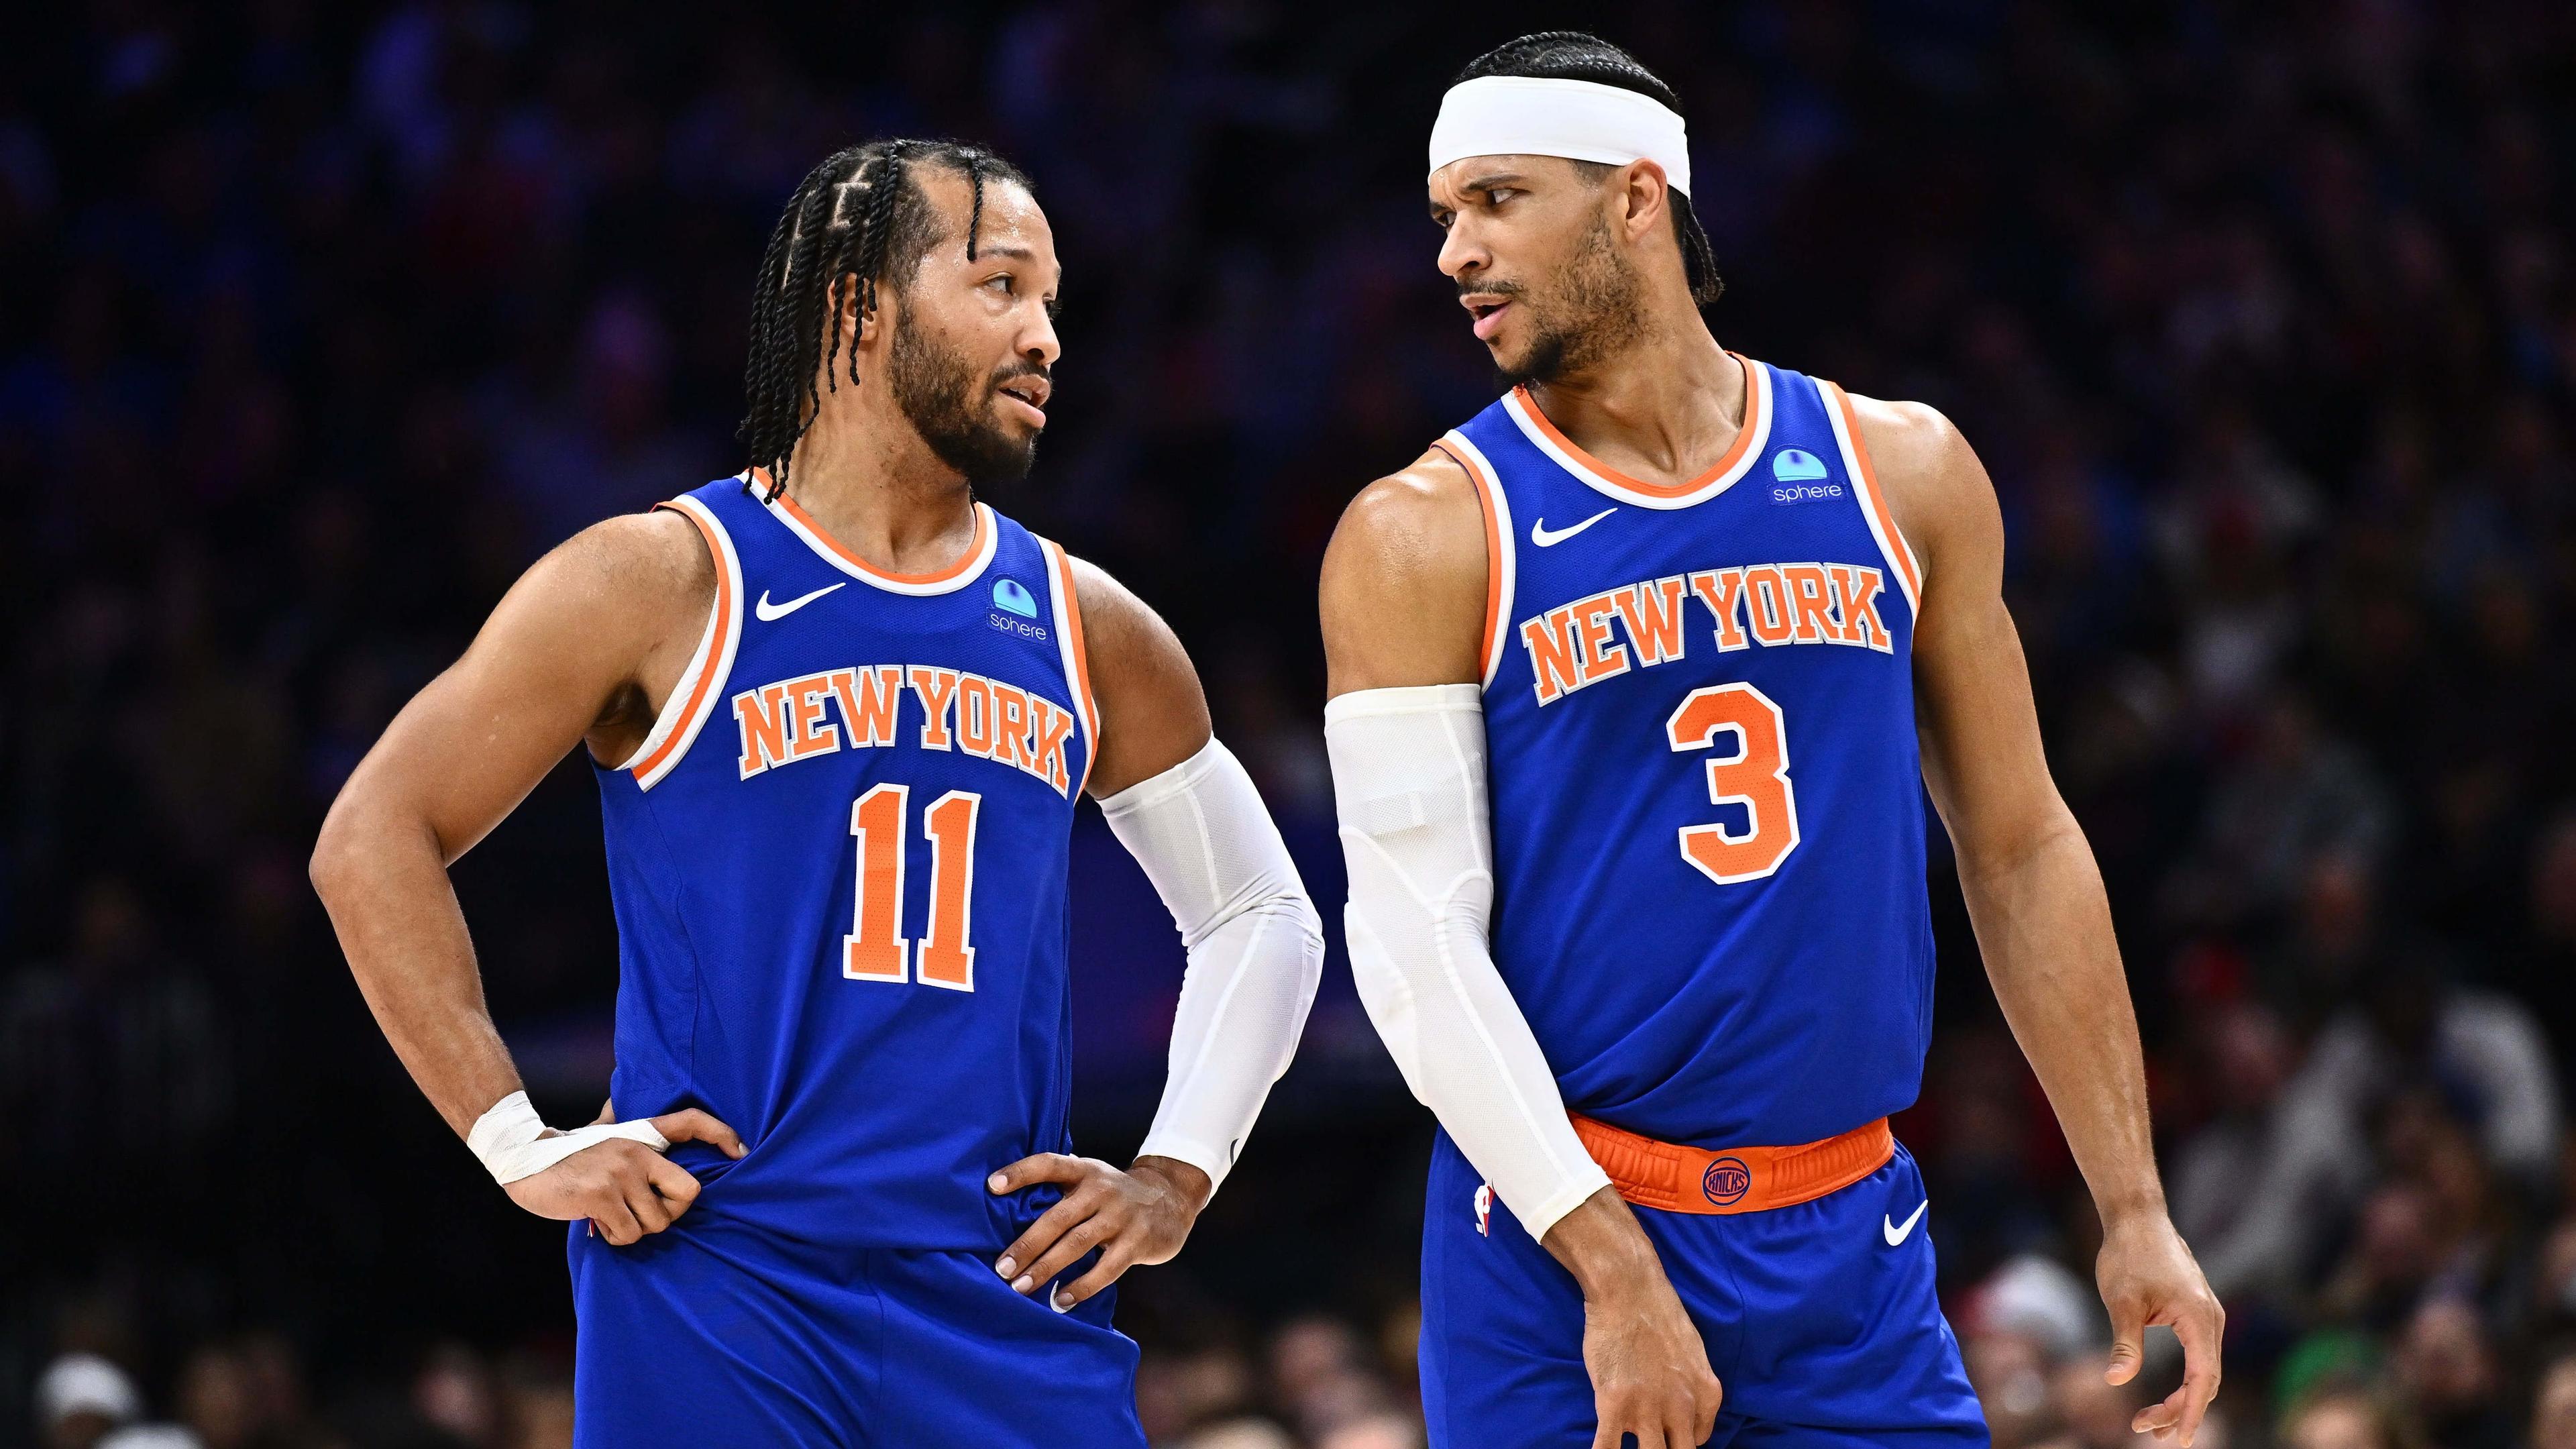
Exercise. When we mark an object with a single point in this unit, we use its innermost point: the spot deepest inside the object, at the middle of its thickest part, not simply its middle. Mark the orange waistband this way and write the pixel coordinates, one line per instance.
(1681, 1179)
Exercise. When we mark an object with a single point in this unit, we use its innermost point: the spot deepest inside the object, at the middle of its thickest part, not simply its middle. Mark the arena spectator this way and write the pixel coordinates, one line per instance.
(80, 1399)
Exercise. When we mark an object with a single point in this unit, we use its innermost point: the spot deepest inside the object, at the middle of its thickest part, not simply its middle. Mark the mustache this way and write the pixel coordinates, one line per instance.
(1489, 286)
(1016, 371)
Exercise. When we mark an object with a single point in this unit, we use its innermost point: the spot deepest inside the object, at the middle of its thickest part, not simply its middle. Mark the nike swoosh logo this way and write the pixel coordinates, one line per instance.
(1546, 537)
(1897, 1235)
(770, 613)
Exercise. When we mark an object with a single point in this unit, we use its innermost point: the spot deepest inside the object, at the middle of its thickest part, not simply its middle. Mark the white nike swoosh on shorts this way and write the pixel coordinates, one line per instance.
(1897, 1235)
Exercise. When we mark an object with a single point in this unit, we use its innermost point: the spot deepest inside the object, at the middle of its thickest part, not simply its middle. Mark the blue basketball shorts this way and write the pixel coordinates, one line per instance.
(1820, 1318)
(711, 1334)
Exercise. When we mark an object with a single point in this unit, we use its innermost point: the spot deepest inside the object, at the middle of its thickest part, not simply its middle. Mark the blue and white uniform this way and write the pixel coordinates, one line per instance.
(1709, 903)
(839, 871)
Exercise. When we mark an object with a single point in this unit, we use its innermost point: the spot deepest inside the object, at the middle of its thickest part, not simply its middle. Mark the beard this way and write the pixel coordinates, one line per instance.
(1599, 307)
(940, 394)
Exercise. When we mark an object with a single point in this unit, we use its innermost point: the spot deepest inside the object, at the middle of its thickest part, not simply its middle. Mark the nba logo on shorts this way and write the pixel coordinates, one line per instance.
(1726, 1181)
(1484, 1209)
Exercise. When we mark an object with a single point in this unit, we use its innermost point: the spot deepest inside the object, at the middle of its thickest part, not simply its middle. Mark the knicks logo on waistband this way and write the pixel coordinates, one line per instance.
(861, 707)
(1726, 1181)
(1642, 624)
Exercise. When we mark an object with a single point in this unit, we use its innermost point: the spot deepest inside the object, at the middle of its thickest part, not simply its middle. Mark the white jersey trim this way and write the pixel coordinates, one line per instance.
(1502, 557)
(1874, 511)
(1750, 444)
(967, 569)
(697, 692)
(1077, 660)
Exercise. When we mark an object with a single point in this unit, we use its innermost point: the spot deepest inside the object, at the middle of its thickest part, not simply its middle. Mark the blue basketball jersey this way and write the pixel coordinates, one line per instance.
(1708, 825)
(838, 865)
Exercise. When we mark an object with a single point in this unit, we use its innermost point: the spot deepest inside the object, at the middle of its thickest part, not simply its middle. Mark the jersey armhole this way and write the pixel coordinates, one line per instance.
(693, 695)
(1873, 501)
(1500, 560)
(1077, 662)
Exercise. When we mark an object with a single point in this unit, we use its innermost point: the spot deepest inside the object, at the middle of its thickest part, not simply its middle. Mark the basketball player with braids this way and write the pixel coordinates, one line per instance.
(840, 712)
(1638, 679)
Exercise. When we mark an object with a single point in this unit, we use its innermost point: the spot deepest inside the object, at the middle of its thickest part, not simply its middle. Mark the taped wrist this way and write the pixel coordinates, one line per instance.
(509, 1139)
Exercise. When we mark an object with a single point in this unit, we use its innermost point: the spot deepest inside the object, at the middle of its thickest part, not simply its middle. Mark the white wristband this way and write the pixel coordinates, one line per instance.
(510, 1140)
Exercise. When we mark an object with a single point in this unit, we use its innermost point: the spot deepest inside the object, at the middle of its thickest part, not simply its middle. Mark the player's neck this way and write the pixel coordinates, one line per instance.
(875, 487)
(1666, 407)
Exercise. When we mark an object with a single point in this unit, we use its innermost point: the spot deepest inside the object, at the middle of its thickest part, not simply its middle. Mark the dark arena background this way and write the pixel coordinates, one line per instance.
(320, 322)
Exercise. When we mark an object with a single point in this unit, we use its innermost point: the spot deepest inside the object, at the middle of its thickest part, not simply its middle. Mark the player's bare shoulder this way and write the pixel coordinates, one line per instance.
(639, 556)
(642, 579)
(1403, 590)
(1943, 501)
(1153, 713)
(615, 611)
(1420, 524)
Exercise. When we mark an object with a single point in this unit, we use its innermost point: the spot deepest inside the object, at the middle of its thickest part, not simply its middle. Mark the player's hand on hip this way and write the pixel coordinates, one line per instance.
(2148, 1276)
(626, 1189)
(1141, 1215)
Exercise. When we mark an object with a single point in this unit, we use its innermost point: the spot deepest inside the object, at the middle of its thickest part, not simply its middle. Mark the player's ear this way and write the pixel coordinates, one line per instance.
(1644, 194)
(862, 327)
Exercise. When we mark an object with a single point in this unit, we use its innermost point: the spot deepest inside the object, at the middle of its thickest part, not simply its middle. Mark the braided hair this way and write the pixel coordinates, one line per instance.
(1577, 55)
(859, 218)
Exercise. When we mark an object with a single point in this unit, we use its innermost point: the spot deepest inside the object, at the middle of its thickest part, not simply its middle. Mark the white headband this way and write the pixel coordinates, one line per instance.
(1507, 115)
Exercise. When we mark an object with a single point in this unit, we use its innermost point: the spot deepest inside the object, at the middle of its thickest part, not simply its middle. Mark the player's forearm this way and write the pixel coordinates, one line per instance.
(2044, 926)
(382, 878)
(1600, 1243)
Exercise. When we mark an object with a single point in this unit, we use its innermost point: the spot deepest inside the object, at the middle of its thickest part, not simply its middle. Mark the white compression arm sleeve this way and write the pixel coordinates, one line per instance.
(1409, 771)
(508, 1139)
(1255, 944)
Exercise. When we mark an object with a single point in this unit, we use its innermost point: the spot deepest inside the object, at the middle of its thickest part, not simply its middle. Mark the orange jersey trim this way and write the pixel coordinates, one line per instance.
(1081, 668)
(1677, 1179)
(1900, 554)
(974, 545)
(723, 624)
(1493, 557)
(1744, 437)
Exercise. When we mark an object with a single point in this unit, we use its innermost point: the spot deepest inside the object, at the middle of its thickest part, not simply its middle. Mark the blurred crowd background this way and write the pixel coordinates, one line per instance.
(321, 321)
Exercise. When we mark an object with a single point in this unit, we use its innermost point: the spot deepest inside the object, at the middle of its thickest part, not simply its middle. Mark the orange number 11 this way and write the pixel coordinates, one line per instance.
(875, 949)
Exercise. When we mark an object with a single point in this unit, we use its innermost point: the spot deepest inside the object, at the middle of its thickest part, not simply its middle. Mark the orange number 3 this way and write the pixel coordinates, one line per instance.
(1755, 776)
(875, 949)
